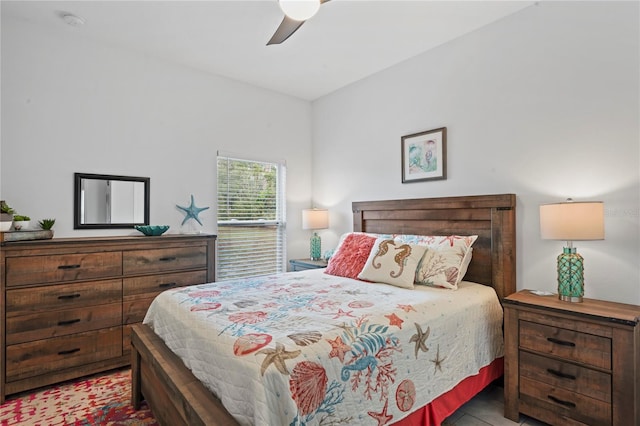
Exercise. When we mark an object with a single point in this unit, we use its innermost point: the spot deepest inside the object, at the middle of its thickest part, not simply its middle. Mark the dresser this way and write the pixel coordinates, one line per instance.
(68, 304)
(572, 363)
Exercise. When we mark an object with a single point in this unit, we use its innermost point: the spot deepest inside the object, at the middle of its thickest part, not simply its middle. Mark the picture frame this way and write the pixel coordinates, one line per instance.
(424, 156)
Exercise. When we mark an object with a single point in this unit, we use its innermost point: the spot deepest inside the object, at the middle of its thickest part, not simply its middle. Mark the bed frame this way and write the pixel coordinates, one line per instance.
(176, 397)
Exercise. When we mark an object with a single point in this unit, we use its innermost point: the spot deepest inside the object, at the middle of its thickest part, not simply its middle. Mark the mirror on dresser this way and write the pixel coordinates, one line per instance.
(110, 201)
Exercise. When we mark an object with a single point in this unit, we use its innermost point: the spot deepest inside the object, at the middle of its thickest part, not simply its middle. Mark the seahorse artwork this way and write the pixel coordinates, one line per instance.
(360, 364)
(383, 248)
(404, 251)
(369, 363)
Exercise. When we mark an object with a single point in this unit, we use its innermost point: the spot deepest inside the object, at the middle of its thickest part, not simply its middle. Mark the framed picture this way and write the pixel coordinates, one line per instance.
(424, 156)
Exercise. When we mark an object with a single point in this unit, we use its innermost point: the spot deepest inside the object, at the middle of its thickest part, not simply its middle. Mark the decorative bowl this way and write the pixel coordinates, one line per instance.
(152, 230)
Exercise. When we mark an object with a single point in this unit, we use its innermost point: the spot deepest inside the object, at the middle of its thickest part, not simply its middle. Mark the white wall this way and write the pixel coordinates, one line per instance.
(79, 106)
(543, 104)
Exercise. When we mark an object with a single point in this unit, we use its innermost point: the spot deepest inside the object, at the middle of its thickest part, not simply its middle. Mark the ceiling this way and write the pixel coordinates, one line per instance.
(347, 40)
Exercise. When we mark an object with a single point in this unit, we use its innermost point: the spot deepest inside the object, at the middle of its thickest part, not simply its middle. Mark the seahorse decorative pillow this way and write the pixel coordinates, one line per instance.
(392, 262)
(445, 262)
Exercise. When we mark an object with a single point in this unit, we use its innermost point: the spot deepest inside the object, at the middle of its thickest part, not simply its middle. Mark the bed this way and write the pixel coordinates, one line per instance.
(397, 391)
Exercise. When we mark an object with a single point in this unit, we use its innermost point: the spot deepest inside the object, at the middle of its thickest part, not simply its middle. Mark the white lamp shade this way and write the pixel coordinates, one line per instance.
(299, 10)
(315, 219)
(572, 221)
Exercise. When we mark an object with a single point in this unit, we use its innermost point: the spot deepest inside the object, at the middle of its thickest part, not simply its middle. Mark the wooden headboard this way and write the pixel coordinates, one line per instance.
(490, 217)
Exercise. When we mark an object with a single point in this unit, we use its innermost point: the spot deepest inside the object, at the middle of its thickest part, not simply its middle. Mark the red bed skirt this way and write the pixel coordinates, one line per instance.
(434, 413)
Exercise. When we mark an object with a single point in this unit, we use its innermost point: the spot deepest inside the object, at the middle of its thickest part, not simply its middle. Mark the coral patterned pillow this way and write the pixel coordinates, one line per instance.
(351, 256)
(445, 262)
(392, 262)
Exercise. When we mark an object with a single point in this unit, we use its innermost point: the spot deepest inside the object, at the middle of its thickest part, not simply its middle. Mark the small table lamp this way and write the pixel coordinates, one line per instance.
(572, 221)
(315, 219)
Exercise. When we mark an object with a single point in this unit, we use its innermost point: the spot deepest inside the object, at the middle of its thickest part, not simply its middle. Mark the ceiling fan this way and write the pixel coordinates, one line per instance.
(296, 12)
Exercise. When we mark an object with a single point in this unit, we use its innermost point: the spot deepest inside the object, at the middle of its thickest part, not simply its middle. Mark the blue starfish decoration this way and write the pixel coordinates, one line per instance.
(192, 211)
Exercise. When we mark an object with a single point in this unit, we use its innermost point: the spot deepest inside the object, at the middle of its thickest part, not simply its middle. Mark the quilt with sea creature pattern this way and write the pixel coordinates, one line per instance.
(307, 348)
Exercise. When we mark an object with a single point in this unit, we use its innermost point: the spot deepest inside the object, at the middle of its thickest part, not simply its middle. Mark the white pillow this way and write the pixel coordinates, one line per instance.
(445, 262)
(392, 262)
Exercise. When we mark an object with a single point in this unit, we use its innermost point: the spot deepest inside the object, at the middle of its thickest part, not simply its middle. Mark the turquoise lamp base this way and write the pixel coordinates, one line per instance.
(570, 275)
(315, 252)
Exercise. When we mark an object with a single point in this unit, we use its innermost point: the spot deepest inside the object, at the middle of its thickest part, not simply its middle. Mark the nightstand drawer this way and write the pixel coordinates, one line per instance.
(571, 377)
(566, 344)
(63, 267)
(304, 264)
(48, 355)
(62, 296)
(564, 404)
(160, 260)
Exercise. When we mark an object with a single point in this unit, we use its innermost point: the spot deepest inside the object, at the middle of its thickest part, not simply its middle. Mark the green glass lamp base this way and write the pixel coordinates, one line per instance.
(316, 252)
(570, 275)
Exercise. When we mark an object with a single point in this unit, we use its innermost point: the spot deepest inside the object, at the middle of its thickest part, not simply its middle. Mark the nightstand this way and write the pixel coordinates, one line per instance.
(302, 264)
(571, 363)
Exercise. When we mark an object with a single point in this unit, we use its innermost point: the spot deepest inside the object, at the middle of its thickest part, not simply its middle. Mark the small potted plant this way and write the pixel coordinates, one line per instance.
(6, 216)
(46, 224)
(21, 222)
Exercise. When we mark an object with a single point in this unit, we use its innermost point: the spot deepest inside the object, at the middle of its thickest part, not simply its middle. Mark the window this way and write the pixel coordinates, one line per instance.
(251, 217)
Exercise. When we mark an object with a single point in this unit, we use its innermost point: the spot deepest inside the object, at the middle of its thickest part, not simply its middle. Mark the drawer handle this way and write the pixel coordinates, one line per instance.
(167, 285)
(69, 296)
(560, 374)
(167, 259)
(560, 342)
(70, 351)
(561, 402)
(69, 322)
(68, 266)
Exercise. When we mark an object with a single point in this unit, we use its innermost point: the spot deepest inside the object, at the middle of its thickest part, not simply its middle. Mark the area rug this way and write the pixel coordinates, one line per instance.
(102, 399)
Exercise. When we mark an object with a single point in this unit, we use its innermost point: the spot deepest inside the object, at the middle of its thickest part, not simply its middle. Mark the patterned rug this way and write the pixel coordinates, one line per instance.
(98, 400)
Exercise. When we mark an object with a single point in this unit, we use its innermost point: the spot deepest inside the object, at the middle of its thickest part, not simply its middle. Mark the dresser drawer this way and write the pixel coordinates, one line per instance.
(153, 285)
(565, 404)
(64, 267)
(49, 355)
(574, 378)
(49, 324)
(160, 260)
(126, 339)
(134, 310)
(62, 296)
(566, 344)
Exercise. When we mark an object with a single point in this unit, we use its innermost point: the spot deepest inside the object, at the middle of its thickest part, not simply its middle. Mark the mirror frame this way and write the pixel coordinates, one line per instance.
(77, 189)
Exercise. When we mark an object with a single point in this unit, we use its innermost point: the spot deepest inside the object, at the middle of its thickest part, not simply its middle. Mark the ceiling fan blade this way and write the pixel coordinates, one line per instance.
(287, 27)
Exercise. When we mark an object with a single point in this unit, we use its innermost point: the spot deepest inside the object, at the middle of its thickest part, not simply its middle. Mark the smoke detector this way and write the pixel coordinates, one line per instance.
(71, 19)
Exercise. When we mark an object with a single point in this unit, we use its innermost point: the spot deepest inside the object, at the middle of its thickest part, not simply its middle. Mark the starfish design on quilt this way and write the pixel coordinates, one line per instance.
(395, 320)
(382, 417)
(438, 361)
(406, 308)
(192, 211)
(338, 348)
(342, 313)
(420, 339)
(277, 357)
(347, 330)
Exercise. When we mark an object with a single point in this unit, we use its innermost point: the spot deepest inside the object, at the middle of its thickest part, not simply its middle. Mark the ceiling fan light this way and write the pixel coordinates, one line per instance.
(299, 10)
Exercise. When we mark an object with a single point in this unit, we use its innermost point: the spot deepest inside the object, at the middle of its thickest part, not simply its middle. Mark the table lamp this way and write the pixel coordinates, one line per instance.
(315, 219)
(572, 221)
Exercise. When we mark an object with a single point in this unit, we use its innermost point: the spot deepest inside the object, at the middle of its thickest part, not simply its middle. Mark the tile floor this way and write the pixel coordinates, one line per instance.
(487, 409)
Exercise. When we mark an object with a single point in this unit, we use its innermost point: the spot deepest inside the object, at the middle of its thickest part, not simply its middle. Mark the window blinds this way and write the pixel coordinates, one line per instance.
(251, 217)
